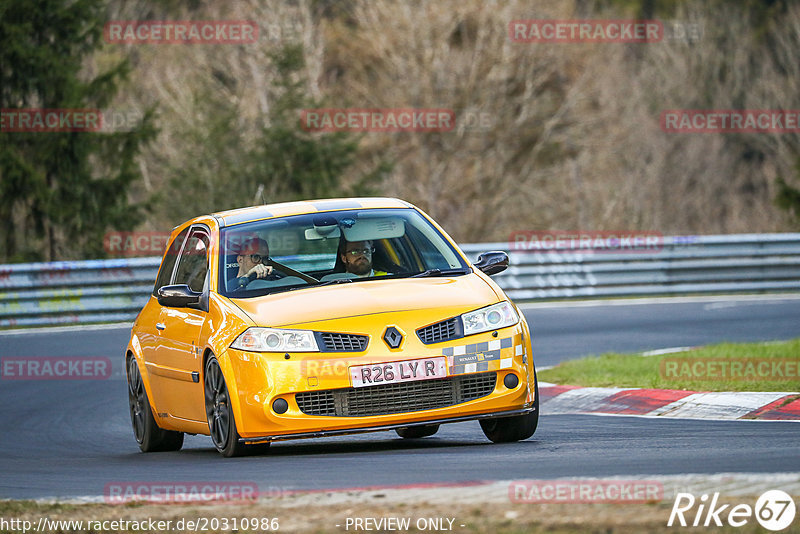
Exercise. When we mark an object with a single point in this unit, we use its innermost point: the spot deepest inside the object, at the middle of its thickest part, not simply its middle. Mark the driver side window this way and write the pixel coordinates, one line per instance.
(193, 265)
(168, 263)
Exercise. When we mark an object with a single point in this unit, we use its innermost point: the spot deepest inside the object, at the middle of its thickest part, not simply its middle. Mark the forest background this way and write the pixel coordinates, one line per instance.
(561, 136)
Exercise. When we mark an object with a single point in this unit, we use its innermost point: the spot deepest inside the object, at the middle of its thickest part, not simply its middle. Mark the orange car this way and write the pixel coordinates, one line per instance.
(308, 319)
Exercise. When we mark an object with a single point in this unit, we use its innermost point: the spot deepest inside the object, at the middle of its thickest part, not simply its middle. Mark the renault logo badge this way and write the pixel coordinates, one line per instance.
(392, 337)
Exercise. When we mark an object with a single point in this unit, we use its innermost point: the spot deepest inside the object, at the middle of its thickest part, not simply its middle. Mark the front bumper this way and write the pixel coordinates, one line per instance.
(262, 378)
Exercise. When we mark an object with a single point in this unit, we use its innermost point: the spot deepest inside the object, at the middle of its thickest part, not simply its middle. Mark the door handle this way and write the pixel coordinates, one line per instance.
(161, 326)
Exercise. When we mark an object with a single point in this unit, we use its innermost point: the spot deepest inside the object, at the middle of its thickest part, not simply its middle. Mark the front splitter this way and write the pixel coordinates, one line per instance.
(328, 433)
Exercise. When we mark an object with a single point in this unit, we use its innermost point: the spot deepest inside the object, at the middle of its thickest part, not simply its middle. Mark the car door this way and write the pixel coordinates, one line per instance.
(148, 326)
(178, 362)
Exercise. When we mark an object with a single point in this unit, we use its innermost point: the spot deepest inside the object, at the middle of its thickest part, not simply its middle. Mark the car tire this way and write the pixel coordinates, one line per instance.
(412, 432)
(515, 428)
(219, 413)
(149, 436)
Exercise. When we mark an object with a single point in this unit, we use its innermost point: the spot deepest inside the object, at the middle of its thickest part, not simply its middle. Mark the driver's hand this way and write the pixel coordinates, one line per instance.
(260, 270)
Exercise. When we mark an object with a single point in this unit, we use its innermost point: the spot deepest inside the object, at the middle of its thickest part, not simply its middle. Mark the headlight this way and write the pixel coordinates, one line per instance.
(257, 339)
(492, 317)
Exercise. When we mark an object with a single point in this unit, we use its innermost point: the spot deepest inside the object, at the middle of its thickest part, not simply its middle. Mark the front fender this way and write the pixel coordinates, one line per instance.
(526, 332)
(135, 351)
(232, 384)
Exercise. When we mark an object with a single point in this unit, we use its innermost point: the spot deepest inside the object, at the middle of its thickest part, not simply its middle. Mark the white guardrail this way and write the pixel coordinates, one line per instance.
(36, 294)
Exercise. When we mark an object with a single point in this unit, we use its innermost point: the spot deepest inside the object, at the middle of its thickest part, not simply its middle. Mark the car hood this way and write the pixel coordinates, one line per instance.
(310, 305)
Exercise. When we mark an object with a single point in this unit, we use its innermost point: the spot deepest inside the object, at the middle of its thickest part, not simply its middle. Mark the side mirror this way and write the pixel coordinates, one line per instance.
(492, 262)
(178, 296)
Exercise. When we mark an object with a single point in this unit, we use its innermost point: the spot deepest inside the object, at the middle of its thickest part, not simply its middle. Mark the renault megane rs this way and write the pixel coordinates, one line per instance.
(317, 318)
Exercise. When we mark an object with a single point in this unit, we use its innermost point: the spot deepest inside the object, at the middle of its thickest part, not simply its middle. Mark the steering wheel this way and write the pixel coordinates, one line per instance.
(243, 281)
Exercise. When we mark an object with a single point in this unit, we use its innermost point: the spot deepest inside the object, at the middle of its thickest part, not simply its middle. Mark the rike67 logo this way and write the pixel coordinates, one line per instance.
(774, 510)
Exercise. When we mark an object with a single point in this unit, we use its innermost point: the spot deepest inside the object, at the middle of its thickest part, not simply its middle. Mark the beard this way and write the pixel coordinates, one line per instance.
(360, 267)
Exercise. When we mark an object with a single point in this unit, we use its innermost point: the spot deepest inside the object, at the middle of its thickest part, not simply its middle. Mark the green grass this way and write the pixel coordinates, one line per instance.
(633, 370)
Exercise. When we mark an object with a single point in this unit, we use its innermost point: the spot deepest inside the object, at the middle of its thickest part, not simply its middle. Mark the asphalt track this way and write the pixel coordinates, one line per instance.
(72, 438)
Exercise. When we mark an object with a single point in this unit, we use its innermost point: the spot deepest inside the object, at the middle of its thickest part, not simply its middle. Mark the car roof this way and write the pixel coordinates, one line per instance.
(283, 209)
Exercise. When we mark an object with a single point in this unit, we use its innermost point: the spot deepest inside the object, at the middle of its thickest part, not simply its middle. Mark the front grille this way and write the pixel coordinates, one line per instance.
(443, 331)
(333, 342)
(316, 402)
(397, 398)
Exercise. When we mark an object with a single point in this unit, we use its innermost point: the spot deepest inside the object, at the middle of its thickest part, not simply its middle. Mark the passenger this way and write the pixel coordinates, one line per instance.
(252, 257)
(357, 258)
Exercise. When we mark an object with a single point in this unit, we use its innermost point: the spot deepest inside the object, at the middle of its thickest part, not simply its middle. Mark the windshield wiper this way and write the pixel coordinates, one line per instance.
(334, 281)
(439, 272)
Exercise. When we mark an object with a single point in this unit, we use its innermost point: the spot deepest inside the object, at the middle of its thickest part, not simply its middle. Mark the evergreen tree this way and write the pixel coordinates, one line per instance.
(61, 191)
(788, 197)
(305, 165)
(284, 163)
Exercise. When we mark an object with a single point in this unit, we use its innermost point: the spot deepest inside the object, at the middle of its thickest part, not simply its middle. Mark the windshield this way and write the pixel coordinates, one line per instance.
(331, 248)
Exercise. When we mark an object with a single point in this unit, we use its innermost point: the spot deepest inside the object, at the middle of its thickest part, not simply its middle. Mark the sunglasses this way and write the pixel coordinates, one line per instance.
(361, 251)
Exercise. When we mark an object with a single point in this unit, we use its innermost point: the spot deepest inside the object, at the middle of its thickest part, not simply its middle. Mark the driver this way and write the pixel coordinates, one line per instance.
(253, 254)
(357, 258)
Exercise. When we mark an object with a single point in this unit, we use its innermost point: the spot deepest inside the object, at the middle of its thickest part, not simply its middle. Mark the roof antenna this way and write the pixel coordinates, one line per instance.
(259, 195)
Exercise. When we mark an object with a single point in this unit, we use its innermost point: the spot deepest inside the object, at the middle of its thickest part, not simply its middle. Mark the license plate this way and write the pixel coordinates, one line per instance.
(394, 372)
